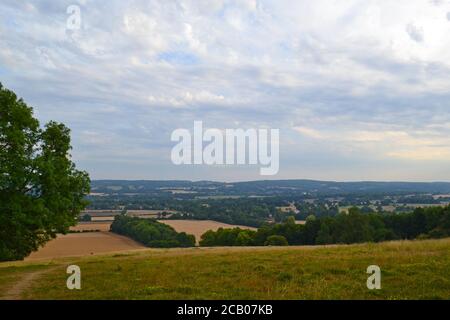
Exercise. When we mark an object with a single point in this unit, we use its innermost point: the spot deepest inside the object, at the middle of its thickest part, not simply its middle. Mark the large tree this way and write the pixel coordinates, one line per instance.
(41, 192)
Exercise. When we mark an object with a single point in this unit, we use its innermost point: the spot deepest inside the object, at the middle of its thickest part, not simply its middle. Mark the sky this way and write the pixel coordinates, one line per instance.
(359, 89)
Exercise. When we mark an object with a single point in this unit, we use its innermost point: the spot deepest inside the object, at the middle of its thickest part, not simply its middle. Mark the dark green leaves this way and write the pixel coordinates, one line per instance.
(41, 192)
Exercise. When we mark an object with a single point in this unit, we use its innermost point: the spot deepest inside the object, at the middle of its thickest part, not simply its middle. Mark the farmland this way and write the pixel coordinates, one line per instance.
(199, 227)
(92, 226)
(195, 227)
(81, 244)
(99, 240)
(410, 270)
(256, 203)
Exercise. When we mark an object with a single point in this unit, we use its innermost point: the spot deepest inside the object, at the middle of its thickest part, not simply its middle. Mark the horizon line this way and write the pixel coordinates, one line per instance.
(273, 180)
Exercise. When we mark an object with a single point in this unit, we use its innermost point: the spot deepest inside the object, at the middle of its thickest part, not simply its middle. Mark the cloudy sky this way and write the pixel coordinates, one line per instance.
(360, 89)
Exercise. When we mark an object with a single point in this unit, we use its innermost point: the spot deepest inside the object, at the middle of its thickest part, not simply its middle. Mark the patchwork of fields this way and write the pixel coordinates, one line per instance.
(99, 240)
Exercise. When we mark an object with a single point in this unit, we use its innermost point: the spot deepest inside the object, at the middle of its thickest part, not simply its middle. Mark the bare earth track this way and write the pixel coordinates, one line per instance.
(21, 286)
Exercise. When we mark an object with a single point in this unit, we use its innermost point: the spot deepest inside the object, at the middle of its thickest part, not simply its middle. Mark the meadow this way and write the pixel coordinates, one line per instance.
(410, 270)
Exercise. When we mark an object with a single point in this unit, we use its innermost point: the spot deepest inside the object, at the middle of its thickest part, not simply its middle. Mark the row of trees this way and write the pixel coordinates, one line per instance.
(227, 237)
(354, 227)
(238, 237)
(151, 233)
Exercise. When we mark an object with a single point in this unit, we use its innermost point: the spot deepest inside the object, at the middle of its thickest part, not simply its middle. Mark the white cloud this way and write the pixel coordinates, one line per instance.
(396, 144)
(187, 98)
(371, 75)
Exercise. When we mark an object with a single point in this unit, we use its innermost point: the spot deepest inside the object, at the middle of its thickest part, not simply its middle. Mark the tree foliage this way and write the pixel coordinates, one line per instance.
(276, 240)
(354, 227)
(227, 237)
(151, 233)
(41, 192)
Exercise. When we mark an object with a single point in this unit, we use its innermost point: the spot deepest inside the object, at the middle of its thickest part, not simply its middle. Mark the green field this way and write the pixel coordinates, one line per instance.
(410, 270)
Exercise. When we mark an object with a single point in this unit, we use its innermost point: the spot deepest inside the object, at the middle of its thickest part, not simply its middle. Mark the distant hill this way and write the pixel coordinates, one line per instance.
(265, 187)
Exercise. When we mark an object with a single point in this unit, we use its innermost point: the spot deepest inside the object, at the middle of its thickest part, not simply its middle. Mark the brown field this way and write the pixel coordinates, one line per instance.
(199, 227)
(82, 244)
(91, 226)
(154, 213)
(102, 219)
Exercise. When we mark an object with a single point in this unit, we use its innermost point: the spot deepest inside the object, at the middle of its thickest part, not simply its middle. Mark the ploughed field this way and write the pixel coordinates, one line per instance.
(409, 270)
(84, 244)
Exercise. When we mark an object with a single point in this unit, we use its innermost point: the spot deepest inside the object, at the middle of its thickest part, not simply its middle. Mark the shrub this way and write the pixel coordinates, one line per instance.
(276, 240)
(86, 218)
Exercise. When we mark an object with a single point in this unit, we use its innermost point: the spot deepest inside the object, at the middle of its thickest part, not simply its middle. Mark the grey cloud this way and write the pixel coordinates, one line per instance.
(415, 33)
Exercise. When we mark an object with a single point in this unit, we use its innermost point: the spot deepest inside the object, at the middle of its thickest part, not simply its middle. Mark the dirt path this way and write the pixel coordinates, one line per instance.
(24, 283)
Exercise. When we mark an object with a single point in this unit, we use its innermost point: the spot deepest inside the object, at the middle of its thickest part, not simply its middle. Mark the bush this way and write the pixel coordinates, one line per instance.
(276, 240)
(86, 218)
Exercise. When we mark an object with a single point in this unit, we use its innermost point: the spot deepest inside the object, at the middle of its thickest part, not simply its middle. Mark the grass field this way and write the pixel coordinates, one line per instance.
(410, 270)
